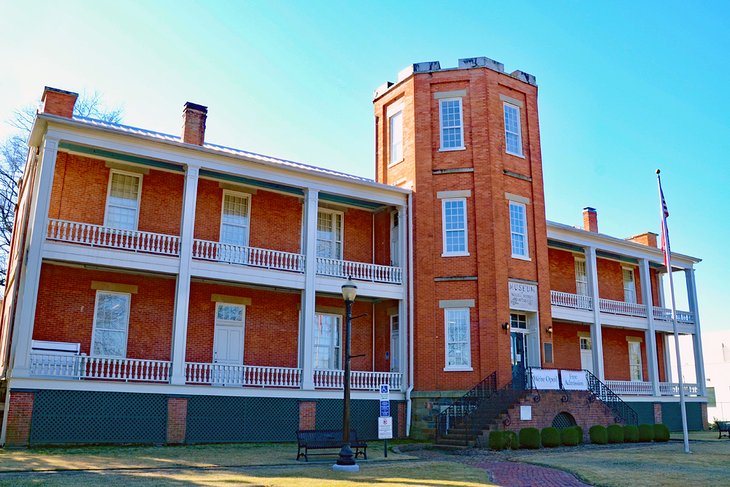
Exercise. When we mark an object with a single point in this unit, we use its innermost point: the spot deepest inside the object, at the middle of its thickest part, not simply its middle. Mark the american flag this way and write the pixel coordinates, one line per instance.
(665, 230)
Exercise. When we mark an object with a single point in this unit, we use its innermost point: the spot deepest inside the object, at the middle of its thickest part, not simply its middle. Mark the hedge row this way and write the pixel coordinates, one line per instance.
(533, 438)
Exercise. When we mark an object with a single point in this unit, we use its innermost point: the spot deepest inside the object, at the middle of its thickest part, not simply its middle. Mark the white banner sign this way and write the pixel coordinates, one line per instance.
(522, 296)
(545, 379)
(574, 380)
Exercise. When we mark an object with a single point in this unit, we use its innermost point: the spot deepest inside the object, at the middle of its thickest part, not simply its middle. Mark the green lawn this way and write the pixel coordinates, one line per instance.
(658, 464)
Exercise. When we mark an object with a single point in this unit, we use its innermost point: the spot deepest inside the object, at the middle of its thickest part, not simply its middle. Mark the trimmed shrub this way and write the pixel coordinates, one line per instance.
(514, 443)
(530, 438)
(615, 433)
(580, 433)
(661, 432)
(631, 434)
(598, 435)
(569, 436)
(496, 440)
(646, 432)
(550, 437)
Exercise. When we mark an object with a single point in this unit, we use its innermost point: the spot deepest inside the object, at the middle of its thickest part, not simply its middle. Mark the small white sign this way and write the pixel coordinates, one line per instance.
(574, 380)
(526, 413)
(522, 296)
(545, 379)
(385, 428)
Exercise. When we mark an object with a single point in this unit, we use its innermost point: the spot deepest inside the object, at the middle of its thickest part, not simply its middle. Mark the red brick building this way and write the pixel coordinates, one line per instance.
(164, 289)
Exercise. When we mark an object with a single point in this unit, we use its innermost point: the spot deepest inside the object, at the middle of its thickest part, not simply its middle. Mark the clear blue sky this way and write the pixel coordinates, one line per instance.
(625, 87)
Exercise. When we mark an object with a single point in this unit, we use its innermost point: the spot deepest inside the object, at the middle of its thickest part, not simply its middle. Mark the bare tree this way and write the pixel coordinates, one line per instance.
(13, 153)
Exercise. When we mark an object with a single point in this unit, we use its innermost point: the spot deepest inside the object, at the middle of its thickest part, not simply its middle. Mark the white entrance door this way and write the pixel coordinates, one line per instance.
(228, 344)
(394, 344)
(586, 354)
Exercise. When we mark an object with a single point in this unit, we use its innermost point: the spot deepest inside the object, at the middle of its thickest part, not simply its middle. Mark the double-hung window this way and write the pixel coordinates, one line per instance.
(512, 130)
(396, 138)
(329, 234)
(454, 225)
(635, 368)
(122, 203)
(518, 230)
(458, 339)
(629, 286)
(111, 322)
(581, 279)
(452, 124)
(327, 341)
(235, 218)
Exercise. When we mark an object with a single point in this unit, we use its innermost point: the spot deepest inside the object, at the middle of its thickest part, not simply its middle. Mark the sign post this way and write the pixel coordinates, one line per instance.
(385, 422)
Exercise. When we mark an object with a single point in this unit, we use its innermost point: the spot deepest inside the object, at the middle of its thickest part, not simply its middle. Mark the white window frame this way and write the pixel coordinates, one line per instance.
(395, 239)
(94, 329)
(112, 172)
(461, 146)
(247, 226)
(523, 210)
(454, 253)
(581, 263)
(338, 238)
(634, 366)
(629, 286)
(457, 368)
(395, 351)
(336, 349)
(394, 156)
(507, 131)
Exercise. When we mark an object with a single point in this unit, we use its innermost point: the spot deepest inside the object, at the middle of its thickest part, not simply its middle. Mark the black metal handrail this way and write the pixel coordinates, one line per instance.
(621, 411)
(459, 412)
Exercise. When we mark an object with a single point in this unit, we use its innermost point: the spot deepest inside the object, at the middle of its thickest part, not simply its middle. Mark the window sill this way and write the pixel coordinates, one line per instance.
(391, 164)
(521, 257)
(521, 156)
(456, 254)
(451, 149)
(458, 369)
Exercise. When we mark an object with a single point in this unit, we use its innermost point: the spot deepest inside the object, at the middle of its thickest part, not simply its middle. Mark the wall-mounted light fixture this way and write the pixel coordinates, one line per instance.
(549, 329)
(505, 326)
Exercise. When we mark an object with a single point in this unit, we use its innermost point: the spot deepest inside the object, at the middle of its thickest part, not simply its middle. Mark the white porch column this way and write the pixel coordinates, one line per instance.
(660, 285)
(667, 357)
(651, 350)
(30, 275)
(402, 304)
(182, 288)
(311, 202)
(596, 332)
(689, 275)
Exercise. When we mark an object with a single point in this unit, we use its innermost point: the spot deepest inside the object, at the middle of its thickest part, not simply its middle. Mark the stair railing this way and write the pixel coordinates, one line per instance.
(622, 412)
(458, 413)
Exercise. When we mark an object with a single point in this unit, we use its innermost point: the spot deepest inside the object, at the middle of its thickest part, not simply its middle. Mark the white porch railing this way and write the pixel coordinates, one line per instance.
(242, 375)
(359, 380)
(100, 236)
(665, 314)
(569, 300)
(643, 388)
(361, 271)
(622, 308)
(83, 367)
(238, 254)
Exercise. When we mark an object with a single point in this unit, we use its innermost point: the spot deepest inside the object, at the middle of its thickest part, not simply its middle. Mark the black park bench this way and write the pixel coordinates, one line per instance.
(723, 427)
(327, 439)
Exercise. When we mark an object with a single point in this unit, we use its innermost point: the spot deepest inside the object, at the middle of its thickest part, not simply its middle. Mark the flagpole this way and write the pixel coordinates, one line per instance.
(668, 261)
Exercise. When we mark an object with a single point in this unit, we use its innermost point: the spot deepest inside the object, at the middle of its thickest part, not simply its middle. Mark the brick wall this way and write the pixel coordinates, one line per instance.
(65, 309)
(177, 416)
(307, 415)
(20, 415)
(562, 270)
(382, 334)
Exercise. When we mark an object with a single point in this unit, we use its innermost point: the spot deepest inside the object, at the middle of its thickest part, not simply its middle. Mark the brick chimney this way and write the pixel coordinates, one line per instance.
(58, 102)
(194, 117)
(590, 219)
(648, 238)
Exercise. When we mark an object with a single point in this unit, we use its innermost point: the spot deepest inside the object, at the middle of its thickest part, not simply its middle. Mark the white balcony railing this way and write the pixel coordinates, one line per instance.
(115, 238)
(360, 380)
(642, 388)
(242, 375)
(569, 300)
(665, 314)
(83, 367)
(361, 271)
(622, 308)
(252, 256)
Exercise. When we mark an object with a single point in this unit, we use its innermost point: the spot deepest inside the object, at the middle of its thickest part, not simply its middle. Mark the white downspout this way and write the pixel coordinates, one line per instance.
(409, 404)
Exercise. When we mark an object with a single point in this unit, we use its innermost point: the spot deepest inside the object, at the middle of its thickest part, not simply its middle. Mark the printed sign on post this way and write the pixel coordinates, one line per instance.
(545, 379)
(574, 380)
(385, 408)
(385, 428)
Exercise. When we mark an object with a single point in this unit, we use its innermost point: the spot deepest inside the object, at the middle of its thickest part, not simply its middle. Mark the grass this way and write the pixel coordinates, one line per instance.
(657, 464)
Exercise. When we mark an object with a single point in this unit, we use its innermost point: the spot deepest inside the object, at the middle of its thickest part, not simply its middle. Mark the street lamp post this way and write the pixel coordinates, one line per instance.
(347, 460)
